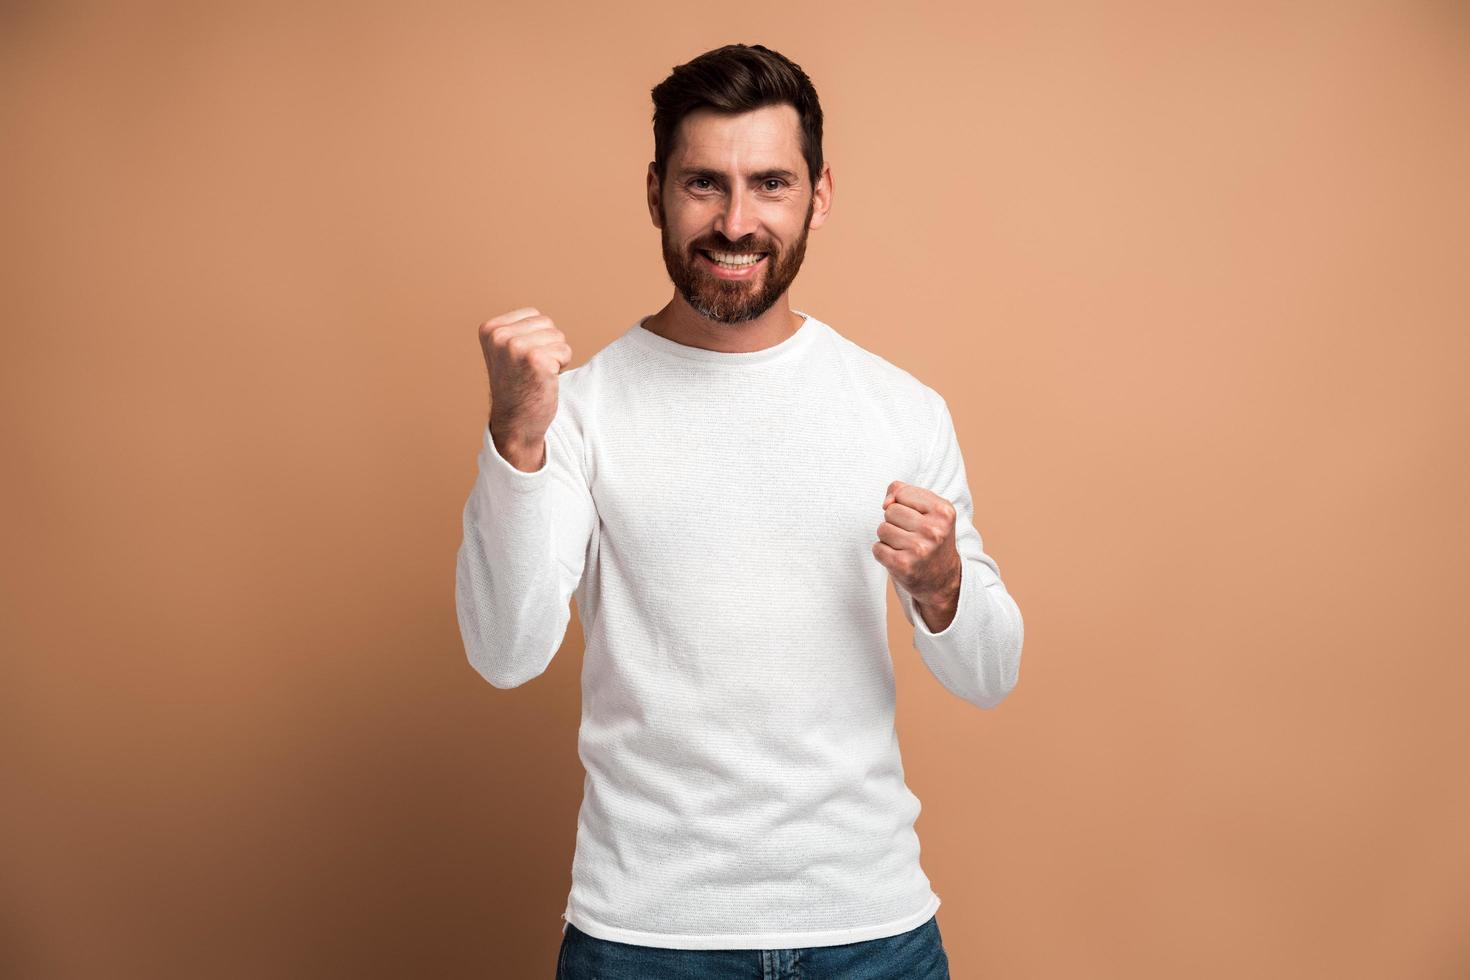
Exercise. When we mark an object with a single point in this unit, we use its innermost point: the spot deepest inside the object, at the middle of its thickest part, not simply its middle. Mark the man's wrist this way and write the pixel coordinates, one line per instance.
(520, 453)
(938, 609)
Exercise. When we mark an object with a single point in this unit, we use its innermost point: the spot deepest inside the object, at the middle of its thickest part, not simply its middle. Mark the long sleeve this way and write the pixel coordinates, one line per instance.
(977, 656)
(525, 544)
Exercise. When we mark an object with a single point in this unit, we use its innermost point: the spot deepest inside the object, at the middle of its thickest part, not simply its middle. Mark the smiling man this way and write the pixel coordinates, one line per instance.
(735, 228)
(727, 490)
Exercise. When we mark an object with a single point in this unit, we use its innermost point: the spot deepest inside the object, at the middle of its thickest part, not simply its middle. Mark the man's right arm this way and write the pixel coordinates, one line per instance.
(525, 543)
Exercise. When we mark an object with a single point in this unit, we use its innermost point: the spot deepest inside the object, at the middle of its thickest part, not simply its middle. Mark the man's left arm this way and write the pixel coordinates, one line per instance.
(967, 628)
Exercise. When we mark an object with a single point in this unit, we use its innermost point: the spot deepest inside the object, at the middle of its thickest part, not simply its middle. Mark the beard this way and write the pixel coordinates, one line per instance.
(733, 300)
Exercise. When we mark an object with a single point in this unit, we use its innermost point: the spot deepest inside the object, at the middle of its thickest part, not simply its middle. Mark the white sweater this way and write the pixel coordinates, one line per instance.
(714, 515)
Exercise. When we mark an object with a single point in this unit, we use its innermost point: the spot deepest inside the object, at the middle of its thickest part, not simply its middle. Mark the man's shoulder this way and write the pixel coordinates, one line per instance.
(578, 388)
(880, 375)
(610, 358)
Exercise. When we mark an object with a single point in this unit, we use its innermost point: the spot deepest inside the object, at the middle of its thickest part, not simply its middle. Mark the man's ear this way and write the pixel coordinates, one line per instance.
(822, 197)
(655, 201)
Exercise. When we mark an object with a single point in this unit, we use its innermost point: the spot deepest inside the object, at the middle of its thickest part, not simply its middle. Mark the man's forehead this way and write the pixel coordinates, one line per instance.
(759, 140)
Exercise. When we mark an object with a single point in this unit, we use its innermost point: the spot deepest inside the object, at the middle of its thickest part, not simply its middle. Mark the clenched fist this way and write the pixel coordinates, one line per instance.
(916, 544)
(524, 353)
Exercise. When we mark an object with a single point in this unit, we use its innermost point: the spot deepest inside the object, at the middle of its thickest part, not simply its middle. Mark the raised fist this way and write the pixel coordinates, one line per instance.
(524, 354)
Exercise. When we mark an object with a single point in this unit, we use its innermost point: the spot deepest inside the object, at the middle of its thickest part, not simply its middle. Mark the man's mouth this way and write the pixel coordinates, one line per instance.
(733, 261)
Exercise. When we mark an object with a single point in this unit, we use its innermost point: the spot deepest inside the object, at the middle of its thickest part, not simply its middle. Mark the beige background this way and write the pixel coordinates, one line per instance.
(1193, 278)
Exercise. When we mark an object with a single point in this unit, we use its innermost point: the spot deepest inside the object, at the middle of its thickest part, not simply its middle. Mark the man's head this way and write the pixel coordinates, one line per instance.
(737, 169)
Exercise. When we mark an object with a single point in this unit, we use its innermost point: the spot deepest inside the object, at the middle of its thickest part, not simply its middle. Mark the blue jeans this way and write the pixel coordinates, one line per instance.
(914, 955)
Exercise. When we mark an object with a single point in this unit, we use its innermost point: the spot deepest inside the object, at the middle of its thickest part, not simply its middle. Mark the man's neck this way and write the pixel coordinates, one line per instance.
(679, 322)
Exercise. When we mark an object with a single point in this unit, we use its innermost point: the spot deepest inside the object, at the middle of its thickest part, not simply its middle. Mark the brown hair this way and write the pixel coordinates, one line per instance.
(736, 78)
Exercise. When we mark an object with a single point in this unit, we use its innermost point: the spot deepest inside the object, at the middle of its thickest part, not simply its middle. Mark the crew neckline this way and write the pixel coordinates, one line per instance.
(731, 359)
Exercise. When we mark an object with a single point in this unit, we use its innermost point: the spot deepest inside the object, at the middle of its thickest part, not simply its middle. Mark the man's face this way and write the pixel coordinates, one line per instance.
(736, 185)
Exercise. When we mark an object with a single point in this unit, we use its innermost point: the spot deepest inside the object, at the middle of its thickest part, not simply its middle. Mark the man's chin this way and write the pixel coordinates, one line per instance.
(734, 297)
(733, 313)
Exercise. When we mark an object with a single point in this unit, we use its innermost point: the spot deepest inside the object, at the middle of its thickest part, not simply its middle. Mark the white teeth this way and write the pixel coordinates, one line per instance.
(737, 261)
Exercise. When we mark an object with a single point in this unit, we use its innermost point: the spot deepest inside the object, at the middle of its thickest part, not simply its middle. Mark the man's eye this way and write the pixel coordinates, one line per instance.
(696, 180)
(778, 182)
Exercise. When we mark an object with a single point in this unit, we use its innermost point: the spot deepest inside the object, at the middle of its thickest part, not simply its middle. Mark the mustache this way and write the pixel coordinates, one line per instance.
(732, 249)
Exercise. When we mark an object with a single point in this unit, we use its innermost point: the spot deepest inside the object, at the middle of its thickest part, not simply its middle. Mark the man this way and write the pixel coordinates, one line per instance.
(726, 489)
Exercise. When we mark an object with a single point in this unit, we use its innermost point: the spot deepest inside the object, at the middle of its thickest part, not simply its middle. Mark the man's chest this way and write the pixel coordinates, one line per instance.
(781, 482)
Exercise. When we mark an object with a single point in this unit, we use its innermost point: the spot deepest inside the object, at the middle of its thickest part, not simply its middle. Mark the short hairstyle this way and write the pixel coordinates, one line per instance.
(736, 78)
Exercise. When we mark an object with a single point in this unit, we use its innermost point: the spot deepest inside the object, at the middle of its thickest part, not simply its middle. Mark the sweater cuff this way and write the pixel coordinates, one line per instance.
(974, 577)
(504, 476)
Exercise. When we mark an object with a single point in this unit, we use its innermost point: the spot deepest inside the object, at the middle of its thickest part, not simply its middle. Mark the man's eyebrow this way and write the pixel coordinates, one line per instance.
(713, 174)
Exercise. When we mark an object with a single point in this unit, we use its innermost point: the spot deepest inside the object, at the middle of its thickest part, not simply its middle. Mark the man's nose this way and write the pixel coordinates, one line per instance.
(738, 218)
